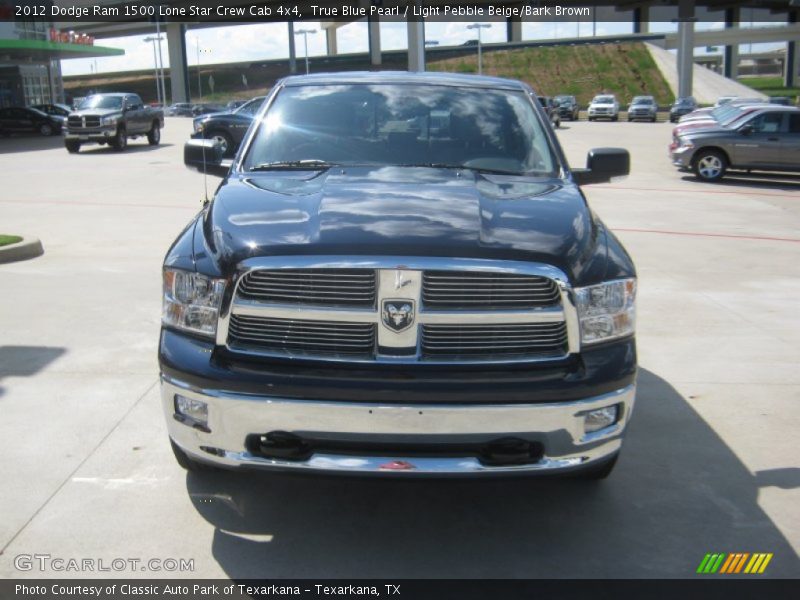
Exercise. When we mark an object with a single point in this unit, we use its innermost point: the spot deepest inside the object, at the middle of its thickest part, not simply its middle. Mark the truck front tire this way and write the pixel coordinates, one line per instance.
(72, 147)
(154, 135)
(120, 141)
(223, 140)
(710, 165)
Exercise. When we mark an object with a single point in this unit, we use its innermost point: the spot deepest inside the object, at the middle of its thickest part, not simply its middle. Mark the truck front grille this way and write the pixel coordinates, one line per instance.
(326, 287)
(405, 310)
(76, 122)
(454, 290)
(293, 336)
(524, 339)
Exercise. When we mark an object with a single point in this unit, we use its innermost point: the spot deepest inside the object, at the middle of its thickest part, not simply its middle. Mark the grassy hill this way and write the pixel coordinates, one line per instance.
(771, 86)
(582, 71)
(624, 69)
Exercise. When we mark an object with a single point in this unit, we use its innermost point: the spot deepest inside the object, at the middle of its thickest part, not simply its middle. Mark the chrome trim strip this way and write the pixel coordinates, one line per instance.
(414, 266)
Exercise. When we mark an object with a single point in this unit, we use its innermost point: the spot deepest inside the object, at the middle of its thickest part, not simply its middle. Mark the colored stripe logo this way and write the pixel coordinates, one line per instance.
(736, 562)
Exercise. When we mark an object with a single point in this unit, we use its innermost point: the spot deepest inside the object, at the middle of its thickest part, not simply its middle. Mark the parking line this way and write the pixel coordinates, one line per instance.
(105, 204)
(708, 234)
(795, 195)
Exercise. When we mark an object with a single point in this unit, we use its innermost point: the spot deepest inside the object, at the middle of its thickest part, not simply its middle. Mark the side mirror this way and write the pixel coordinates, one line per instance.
(603, 165)
(205, 156)
(746, 129)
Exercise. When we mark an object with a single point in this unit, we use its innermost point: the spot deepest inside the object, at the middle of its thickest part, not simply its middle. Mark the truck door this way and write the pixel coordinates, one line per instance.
(135, 116)
(761, 145)
(790, 142)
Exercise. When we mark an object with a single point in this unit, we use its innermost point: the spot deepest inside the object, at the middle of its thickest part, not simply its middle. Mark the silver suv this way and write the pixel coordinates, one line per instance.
(767, 141)
(643, 107)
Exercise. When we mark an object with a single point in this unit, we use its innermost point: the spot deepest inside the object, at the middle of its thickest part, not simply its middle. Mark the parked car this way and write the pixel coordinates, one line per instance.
(551, 110)
(769, 140)
(234, 104)
(58, 110)
(206, 109)
(381, 280)
(726, 115)
(227, 128)
(682, 106)
(28, 120)
(643, 108)
(782, 100)
(713, 112)
(180, 109)
(568, 107)
(604, 106)
(112, 119)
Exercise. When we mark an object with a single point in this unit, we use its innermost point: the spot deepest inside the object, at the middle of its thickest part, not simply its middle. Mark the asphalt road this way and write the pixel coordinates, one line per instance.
(710, 463)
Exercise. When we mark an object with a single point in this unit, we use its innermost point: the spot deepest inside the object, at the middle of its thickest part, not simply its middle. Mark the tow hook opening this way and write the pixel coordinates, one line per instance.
(511, 451)
(279, 444)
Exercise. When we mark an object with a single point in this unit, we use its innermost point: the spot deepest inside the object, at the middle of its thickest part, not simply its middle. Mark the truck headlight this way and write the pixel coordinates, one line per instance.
(192, 301)
(109, 120)
(198, 127)
(606, 311)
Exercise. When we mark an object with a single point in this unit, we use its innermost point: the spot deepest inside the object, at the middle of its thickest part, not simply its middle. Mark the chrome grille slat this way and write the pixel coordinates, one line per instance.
(454, 341)
(259, 328)
(307, 337)
(454, 290)
(329, 287)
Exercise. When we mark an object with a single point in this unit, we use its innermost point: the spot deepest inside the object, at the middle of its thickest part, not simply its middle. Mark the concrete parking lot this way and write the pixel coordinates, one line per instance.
(711, 462)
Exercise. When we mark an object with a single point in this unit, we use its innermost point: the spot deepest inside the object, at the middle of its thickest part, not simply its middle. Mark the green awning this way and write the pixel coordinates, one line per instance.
(46, 50)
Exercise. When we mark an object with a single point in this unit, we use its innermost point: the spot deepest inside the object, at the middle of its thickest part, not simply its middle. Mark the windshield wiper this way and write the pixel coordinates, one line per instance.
(308, 164)
(466, 168)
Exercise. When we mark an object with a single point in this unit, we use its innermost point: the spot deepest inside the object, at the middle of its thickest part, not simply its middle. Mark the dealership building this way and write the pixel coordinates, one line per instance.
(30, 55)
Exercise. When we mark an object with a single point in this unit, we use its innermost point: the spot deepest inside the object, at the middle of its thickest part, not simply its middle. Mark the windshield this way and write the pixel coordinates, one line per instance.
(101, 102)
(603, 100)
(250, 108)
(737, 116)
(402, 125)
(642, 100)
(563, 99)
(725, 112)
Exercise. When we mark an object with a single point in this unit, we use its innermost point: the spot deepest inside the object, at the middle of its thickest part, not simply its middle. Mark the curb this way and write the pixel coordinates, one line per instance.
(28, 247)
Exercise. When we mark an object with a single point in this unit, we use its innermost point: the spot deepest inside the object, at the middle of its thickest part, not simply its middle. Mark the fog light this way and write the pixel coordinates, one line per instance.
(192, 412)
(601, 418)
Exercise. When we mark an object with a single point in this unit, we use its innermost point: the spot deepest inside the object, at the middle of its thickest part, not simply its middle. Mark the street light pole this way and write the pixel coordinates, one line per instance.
(304, 33)
(152, 40)
(161, 65)
(479, 26)
(199, 80)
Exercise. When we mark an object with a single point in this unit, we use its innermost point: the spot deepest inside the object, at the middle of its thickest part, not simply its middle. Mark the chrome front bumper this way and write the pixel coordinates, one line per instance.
(90, 135)
(232, 417)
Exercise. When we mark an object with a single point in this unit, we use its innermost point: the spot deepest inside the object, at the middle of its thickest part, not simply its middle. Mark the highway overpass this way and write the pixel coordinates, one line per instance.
(636, 11)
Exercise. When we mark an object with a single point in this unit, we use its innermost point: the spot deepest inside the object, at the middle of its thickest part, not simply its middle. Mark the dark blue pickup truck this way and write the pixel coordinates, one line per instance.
(399, 274)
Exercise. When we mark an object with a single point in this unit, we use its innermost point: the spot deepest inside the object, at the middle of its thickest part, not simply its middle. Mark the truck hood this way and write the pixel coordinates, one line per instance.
(96, 112)
(402, 211)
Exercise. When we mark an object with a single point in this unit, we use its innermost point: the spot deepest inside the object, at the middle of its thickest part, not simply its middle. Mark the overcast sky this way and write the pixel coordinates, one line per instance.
(270, 40)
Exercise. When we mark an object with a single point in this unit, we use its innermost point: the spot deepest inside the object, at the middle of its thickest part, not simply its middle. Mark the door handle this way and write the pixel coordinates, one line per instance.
(773, 140)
